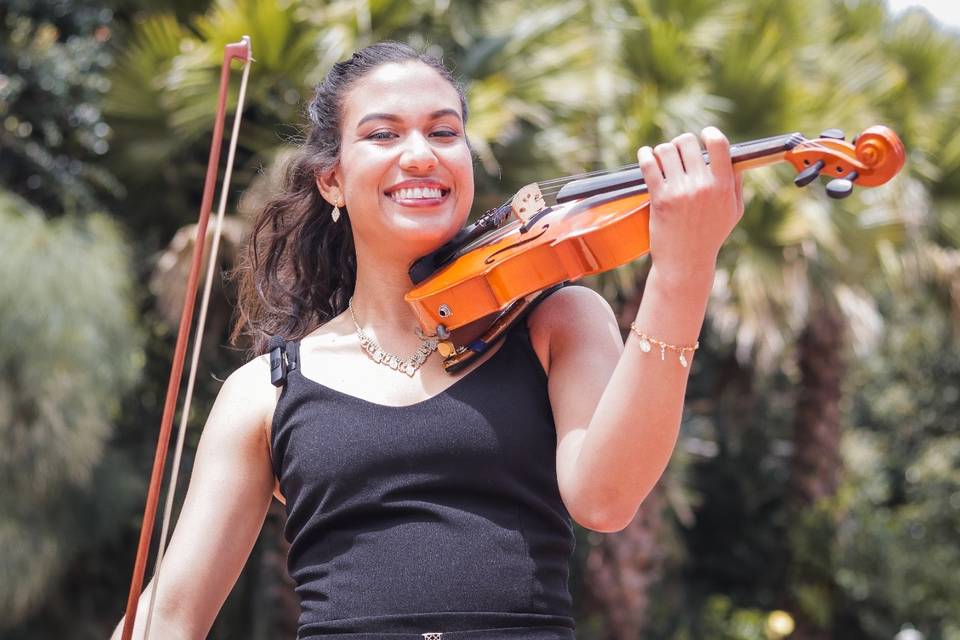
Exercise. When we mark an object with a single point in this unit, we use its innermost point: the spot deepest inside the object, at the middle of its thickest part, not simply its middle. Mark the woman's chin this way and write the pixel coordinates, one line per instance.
(422, 236)
(428, 230)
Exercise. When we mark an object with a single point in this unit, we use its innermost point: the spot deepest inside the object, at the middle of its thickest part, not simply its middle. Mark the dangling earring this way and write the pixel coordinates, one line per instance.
(335, 214)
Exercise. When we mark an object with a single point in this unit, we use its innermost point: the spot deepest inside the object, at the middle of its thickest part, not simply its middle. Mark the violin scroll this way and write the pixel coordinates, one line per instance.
(872, 159)
(879, 148)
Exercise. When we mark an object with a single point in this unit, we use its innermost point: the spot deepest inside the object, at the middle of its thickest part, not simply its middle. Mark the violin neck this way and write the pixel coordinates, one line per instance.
(762, 152)
(743, 155)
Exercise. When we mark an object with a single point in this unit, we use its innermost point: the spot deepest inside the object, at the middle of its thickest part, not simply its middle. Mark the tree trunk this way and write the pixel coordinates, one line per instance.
(816, 470)
(817, 465)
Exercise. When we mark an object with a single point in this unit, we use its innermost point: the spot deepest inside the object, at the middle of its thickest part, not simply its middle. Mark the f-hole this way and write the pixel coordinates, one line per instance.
(493, 256)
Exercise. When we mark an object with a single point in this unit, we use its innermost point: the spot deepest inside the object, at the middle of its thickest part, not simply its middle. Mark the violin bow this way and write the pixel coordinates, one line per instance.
(237, 50)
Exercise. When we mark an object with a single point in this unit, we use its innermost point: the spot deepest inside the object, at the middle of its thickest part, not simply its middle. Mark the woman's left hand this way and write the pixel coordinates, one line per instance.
(694, 205)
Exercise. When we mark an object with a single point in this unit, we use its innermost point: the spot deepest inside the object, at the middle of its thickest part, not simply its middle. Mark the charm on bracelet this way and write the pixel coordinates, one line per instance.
(647, 342)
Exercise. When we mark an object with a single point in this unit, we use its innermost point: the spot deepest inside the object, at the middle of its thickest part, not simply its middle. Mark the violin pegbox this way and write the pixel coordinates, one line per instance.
(872, 159)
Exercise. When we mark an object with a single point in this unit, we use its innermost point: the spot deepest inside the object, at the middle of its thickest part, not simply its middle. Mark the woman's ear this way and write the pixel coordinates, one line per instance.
(330, 186)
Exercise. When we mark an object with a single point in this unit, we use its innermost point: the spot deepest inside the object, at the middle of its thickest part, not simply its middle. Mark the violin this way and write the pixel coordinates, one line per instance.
(472, 289)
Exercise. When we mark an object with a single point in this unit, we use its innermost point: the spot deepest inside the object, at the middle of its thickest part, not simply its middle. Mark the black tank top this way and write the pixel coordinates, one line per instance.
(439, 517)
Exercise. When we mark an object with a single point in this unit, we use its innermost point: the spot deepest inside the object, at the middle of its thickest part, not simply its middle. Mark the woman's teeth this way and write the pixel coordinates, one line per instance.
(417, 193)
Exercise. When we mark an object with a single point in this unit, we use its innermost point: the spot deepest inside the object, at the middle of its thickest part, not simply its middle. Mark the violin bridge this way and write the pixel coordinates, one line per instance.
(528, 202)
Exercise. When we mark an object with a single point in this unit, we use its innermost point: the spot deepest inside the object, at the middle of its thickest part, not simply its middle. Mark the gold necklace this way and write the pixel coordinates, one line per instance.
(378, 355)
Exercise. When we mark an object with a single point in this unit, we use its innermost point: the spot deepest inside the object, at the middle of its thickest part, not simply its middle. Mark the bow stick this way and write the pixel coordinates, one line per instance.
(242, 51)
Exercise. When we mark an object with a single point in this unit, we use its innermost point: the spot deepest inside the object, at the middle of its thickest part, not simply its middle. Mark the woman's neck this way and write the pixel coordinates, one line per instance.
(378, 296)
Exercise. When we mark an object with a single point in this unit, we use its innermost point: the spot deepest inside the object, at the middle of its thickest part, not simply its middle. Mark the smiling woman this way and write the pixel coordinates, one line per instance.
(422, 504)
(405, 169)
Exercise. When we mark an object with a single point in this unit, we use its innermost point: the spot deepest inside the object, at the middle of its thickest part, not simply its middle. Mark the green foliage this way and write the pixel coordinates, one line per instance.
(161, 103)
(555, 87)
(736, 437)
(719, 617)
(813, 560)
(897, 546)
(740, 522)
(53, 58)
(70, 349)
(879, 556)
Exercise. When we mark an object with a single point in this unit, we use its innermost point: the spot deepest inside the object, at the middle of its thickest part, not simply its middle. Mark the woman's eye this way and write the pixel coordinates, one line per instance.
(386, 135)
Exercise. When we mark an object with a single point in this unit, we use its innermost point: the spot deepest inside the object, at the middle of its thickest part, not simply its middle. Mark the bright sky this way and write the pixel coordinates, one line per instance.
(946, 11)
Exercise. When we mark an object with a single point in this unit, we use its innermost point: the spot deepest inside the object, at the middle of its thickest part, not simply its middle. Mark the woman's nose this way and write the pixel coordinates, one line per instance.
(417, 156)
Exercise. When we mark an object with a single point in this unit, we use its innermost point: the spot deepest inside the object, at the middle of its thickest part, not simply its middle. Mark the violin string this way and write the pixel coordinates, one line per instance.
(546, 185)
(588, 174)
(553, 186)
(810, 143)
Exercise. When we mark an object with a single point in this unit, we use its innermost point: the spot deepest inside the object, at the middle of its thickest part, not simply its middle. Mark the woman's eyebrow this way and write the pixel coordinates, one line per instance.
(395, 118)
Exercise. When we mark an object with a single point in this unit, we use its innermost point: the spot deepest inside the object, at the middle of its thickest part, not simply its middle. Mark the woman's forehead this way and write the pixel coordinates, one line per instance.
(408, 90)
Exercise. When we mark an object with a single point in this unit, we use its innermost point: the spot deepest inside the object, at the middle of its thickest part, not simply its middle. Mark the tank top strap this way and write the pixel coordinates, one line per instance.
(293, 354)
(284, 357)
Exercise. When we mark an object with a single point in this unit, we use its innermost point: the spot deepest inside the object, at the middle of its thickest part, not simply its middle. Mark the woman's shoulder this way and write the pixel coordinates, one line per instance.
(568, 316)
(252, 374)
(568, 306)
(249, 387)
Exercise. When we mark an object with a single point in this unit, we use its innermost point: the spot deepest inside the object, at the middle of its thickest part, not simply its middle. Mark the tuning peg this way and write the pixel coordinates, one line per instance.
(835, 134)
(841, 187)
(809, 174)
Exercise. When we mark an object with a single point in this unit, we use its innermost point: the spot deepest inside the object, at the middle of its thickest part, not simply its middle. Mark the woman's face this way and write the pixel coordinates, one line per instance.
(405, 170)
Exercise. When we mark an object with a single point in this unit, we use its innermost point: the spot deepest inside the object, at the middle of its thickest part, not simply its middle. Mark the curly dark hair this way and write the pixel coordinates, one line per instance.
(298, 267)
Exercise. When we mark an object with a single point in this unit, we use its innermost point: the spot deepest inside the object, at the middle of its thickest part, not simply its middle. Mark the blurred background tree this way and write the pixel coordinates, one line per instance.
(54, 56)
(815, 489)
(67, 366)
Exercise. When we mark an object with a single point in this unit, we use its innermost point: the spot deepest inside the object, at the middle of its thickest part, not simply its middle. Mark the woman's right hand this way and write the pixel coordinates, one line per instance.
(227, 499)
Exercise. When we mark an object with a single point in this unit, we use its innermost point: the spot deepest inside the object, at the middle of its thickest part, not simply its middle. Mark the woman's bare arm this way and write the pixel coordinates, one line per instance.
(618, 408)
(227, 500)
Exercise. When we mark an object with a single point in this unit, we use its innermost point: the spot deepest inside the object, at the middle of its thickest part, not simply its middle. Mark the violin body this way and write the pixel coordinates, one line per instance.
(561, 246)
(595, 225)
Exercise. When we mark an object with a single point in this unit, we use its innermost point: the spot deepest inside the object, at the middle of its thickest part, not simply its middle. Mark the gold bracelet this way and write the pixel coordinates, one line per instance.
(645, 346)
